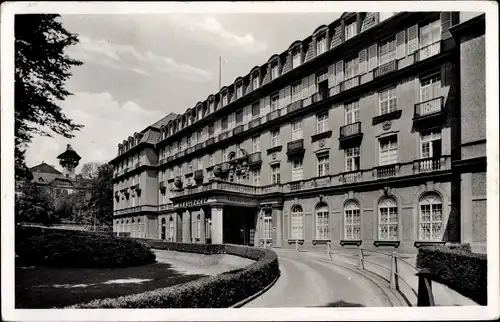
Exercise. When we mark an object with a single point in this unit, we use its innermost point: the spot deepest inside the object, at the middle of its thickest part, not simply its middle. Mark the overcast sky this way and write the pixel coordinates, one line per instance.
(138, 68)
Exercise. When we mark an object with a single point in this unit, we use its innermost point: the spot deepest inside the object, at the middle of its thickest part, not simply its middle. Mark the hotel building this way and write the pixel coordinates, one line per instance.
(369, 132)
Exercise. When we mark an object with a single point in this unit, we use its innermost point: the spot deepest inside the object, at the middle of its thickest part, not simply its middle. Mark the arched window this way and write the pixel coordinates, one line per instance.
(388, 219)
(431, 217)
(352, 221)
(171, 228)
(322, 220)
(163, 228)
(297, 223)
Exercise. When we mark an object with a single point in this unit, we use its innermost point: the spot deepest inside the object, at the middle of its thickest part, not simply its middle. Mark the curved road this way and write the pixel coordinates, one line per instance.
(308, 282)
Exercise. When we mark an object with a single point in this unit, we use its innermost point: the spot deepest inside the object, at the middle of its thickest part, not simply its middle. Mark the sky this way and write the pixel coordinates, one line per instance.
(138, 68)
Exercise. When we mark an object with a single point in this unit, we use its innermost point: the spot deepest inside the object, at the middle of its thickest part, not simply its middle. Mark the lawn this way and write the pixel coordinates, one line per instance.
(48, 287)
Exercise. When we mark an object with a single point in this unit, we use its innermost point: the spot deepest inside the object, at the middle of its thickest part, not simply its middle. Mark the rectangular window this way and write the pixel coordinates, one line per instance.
(190, 166)
(352, 159)
(255, 81)
(297, 170)
(296, 91)
(224, 155)
(388, 150)
(320, 45)
(200, 164)
(179, 146)
(211, 159)
(239, 91)
(387, 51)
(295, 58)
(274, 71)
(199, 136)
(352, 229)
(211, 130)
(275, 174)
(430, 33)
(224, 99)
(351, 30)
(267, 224)
(169, 150)
(181, 170)
(297, 223)
(275, 99)
(297, 130)
(223, 123)
(322, 220)
(322, 122)
(388, 101)
(275, 138)
(256, 144)
(188, 142)
(256, 177)
(430, 87)
(351, 68)
(430, 143)
(255, 109)
(239, 116)
(323, 165)
(352, 112)
(211, 106)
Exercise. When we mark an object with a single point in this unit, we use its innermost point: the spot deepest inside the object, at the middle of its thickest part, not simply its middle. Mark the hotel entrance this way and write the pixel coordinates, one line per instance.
(239, 225)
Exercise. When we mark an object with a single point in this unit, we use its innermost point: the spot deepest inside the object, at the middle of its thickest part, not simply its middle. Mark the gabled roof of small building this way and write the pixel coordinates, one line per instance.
(45, 168)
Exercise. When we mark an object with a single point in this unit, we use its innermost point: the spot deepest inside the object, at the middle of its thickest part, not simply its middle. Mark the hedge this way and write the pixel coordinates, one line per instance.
(64, 248)
(219, 291)
(458, 268)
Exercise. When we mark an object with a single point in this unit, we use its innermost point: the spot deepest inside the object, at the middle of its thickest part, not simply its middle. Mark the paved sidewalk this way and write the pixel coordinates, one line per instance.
(443, 295)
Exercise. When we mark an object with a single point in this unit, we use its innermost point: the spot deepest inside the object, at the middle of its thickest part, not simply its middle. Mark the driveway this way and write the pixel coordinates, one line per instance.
(310, 282)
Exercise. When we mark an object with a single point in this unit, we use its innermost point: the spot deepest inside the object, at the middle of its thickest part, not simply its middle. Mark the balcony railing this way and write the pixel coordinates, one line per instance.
(273, 115)
(349, 83)
(386, 171)
(223, 136)
(386, 68)
(350, 130)
(270, 189)
(295, 146)
(225, 166)
(198, 146)
(237, 130)
(351, 176)
(198, 174)
(429, 51)
(254, 123)
(428, 165)
(320, 95)
(429, 107)
(210, 142)
(170, 158)
(190, 150)
(295, 106)
(255, 158)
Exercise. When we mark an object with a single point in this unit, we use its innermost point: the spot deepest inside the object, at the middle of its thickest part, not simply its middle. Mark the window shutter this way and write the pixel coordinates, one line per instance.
(362, 61)
(339, 68)
(331, 75)
(282, 96)
(312, 85)
(412, 39)
(372, 57)
(401, 44)
(305, 87)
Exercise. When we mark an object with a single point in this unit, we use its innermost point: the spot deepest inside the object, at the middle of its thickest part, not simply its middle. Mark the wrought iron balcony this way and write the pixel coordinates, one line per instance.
(320, 95)
(295, 148)
(428, 51)
(349, 83)
(386, 69)
(350, 134)
(295, 106)
(255, 158)
(237, 130)
(429, 112)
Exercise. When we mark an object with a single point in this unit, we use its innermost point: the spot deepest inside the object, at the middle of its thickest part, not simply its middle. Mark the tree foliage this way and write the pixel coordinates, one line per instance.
(89, 170)
(41, 71)
(34, 204)
(101, 195)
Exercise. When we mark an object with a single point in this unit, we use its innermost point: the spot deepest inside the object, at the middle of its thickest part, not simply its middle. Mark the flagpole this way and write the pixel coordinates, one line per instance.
(219, 73)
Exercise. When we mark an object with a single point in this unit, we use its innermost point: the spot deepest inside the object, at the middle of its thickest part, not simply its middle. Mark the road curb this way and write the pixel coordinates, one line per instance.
(252, 297)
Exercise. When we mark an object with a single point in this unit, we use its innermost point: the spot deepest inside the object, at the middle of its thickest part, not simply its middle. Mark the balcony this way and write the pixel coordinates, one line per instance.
(163, 160)
(273, 115)
(428, 51)
(350, 135)
(349, 83)
(428, 165)
(198, 146)
(320, 95)
(386, 69)
(429, 112)
(223, 136)
(210, 142)
(386, 117)
(255, 159)
(351, 177)
(386, 171)
(198, 175)
(295, 106)
(125, 170)
(190, 150)
(254, 123)
(170, 158)
(295, 149)
(237, 130)
(137, 165)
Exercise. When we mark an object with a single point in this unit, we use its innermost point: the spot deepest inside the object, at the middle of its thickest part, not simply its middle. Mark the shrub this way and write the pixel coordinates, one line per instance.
(459, 269)
(212, 292)
(64, 248)
(207, 249)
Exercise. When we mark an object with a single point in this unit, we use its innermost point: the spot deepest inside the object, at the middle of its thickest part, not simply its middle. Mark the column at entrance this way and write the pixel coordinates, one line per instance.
(217, 224)
(178, 226)
(203, 235)
(276, 233)
(186, 227)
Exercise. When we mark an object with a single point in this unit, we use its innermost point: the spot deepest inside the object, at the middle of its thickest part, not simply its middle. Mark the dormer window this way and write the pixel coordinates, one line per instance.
(255, 81)
(351, 30)
(211, 106)
(224, 99)
(295, 58)
(320, 45)
(239, 91)
(200, 113)
(274, 71)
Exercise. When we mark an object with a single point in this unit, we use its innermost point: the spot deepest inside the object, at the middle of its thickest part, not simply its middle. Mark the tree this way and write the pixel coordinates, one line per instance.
(101, 195)
(41, 70)
(89, 170)
(34, 204)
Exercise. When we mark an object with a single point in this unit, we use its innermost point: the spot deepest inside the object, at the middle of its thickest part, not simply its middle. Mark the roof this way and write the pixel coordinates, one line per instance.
(151, 136)
(45, 168)
(164, 121)
(69, 152)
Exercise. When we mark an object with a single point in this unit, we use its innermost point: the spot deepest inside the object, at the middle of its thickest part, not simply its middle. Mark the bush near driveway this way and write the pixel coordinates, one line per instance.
(213, 292)
(458, 268)
(63, 248)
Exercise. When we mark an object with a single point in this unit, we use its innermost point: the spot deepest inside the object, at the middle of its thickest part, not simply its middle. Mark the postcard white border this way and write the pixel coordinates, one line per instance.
(289, 314)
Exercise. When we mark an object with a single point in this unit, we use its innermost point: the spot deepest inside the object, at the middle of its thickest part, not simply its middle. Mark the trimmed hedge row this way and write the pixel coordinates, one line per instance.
(206, 249)
(219, 291)
(458, 268)
(64, 248)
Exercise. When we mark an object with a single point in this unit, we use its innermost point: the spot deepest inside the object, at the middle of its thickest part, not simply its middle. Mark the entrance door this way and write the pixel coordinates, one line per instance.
(239, 225)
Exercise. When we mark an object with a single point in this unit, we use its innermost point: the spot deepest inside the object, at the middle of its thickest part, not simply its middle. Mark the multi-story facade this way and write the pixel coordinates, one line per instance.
(352, 136)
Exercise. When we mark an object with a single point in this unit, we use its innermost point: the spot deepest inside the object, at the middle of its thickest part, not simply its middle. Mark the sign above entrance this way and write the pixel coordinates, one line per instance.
(191, 203)
(237, 201)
